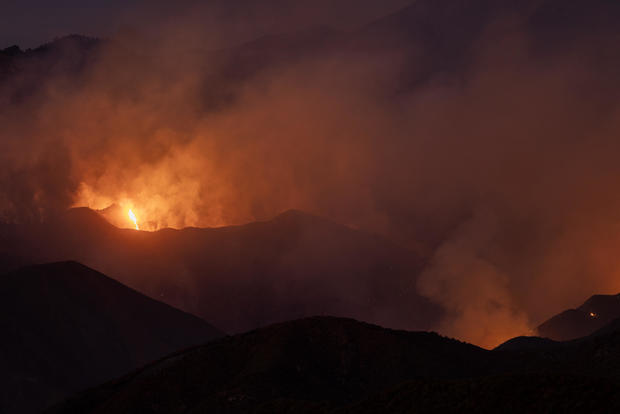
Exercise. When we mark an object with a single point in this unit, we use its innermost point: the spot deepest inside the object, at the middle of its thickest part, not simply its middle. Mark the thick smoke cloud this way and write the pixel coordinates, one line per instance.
(502, 169)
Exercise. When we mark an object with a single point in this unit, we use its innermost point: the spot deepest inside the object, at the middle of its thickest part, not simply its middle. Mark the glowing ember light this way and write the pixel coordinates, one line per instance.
(133, 218)
(593, 315)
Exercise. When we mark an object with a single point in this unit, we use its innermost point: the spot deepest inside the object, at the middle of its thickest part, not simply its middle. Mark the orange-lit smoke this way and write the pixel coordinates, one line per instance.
(501, 167)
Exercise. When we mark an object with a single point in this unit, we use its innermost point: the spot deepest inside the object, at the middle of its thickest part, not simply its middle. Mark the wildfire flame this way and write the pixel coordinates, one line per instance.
(593, 315)
(133, 218)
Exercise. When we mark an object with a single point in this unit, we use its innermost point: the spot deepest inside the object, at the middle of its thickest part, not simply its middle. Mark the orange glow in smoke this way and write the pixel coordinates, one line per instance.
(133, 218)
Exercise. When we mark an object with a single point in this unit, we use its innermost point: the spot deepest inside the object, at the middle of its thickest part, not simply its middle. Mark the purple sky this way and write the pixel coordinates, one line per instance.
(29, 23)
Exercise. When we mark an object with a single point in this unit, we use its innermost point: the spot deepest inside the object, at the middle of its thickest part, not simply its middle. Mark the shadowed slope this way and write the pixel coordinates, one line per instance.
(542, 393)
(66, 327)
(310, 364)
(244, 277)
(595, 313)
(339, 365)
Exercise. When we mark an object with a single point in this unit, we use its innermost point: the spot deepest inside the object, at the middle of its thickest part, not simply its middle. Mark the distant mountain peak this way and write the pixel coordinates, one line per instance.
(66, 326)
(526, 343)
(12, 51)
(592, 315)
(71, 39)
(84, 216)
(294, 214)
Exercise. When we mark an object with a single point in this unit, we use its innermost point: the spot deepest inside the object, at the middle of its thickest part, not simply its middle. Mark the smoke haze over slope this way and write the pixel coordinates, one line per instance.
(490, 144)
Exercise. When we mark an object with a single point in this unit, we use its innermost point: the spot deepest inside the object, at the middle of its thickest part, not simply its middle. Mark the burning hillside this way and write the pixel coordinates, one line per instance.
(480, 134)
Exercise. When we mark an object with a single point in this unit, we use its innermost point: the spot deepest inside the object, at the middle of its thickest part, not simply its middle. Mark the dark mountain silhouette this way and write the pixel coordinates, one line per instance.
(24, 74)
(595, 313)
(526, 343)
(542, 393)
(66, 327)
(243, 277)
(339, 365)
(607, 329)
(290, 367)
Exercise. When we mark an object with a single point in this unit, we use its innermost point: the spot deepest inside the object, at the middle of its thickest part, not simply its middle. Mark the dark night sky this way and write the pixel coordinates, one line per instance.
(29, 23)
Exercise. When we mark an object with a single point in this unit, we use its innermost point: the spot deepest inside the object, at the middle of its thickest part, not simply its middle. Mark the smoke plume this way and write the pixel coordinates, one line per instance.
(497, 158)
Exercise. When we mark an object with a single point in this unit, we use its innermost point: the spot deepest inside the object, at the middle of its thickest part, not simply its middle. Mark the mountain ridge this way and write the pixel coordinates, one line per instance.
(596, 312)
(244, 277)
(67, 327)
(325, 364)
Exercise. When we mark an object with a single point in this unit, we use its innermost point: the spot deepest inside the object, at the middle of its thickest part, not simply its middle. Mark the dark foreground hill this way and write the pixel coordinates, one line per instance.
(243, 277)
(343, 366)
(542, 393)
(66, 327)
(595, 313)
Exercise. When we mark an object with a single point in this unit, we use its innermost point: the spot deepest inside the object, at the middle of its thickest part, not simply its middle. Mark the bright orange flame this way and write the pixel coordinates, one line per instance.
(133, 218)
(593, 315)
